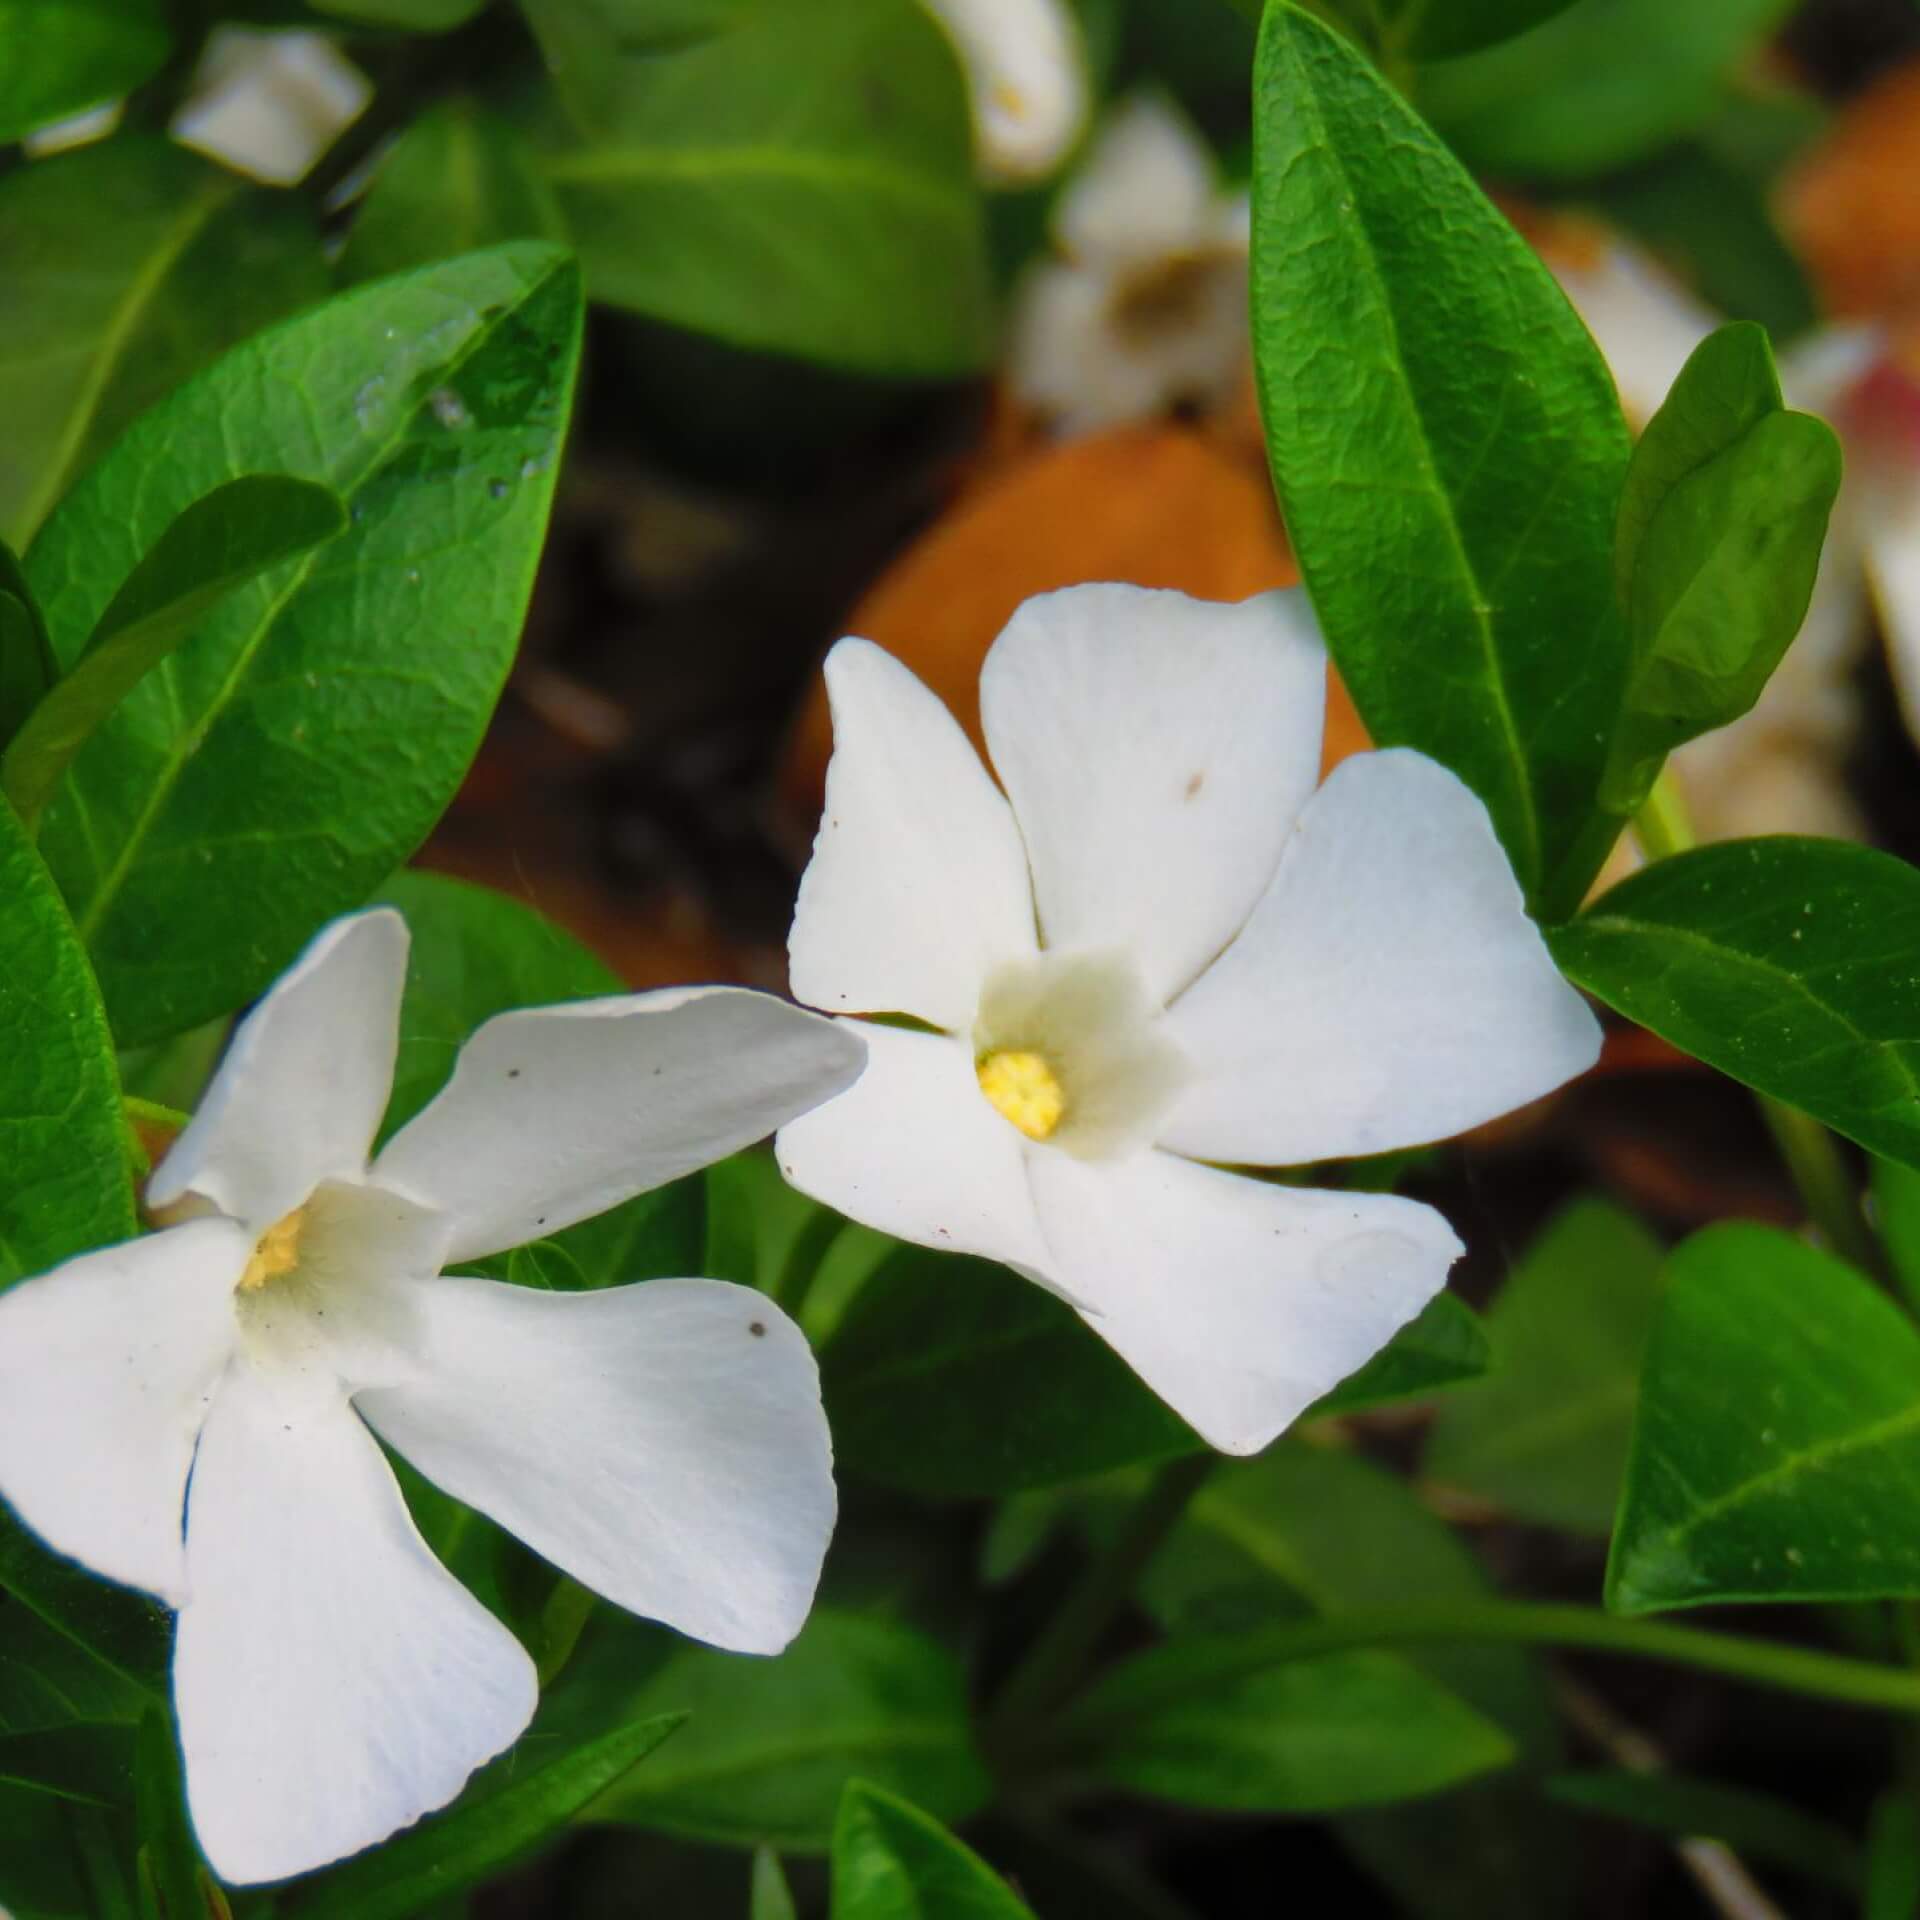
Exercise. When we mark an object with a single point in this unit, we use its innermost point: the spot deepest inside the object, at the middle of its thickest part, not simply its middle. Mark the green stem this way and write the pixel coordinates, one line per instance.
(1812, 1156)
(1056, 1661)
(1765, 1663)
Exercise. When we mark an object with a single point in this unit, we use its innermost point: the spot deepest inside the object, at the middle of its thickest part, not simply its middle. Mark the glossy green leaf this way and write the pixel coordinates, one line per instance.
(231, 536)
(1312, 1736)
(72, 1647)
(457, 179)
(1776, 1455)
(1315, 1529)
(27, 665)
(798, 179)
(1756, 1825)
(65, 55)
(772, 1743)
(62, 1137)
(1439, 29)
(954, 1377)
(770, 1898)
(1544, 1435)
(1447, 447)
(110, 252)
(170, 1854)
(1893, 1859)
(893, 1862)
(89, 1762)
(1604, 84)
(508, 1811)
(1896, 1218)
(1787, 963)
(284, 760)
(411, 16)
(1725, 508)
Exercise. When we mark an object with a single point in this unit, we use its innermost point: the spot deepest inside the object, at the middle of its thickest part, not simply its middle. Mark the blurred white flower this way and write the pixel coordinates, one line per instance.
(270, 104)
(663, 1443)
(76, 130)
(1778, 769)
(1159, 954)
(1147, 307)
(1028, 72)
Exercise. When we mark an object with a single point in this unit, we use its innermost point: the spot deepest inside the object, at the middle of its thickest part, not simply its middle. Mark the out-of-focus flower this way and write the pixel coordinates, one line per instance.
(77, 130)
(269, 104)
(663, 1443)
(1147, 307)
(1159, 954)
(1028, 72)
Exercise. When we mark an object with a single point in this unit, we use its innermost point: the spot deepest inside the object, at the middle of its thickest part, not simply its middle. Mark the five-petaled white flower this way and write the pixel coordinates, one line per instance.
(1157, 955)
(1027, 71)
(663, 1443)
(1147, 307)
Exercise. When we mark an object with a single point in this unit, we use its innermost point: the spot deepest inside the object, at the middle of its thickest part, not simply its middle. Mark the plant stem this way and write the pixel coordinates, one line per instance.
(1827, 1190)
(1055, 1662)
(1825, 1676)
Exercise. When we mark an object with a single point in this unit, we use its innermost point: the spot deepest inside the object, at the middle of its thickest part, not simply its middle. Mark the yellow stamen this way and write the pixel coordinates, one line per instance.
(1009, 99)
(1024, 1087)
(278, 1252)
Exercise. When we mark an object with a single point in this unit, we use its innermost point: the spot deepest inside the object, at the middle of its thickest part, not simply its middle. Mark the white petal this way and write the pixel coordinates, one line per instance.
(1061, 358)
(1238, 1302)
(555, 1114)
(1643, 321)
(1892, 541)
(1147, 188)
(1388, 990)
(1818, 373)
(300, 1094)
(270, 104)
(915, 1150)
(106, 1366)
(918, 882)
(1029, 80)
(334, 1682)
(1156, 750)
(663, 1443)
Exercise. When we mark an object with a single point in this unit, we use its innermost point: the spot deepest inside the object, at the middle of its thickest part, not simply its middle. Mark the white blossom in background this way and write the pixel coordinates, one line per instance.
(1027, 70)
(270, 104)
(663, 1443)
(76, 130)
(1779, 768)
(1146, 307)
(1152, 953)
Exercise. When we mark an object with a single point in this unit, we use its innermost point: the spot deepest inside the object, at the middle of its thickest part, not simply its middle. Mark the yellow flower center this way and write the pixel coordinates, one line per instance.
(1024, 1087)
(277, 1253)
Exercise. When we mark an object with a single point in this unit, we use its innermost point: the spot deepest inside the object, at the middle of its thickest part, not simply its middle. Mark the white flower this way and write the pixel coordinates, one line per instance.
(662, 1443)
(1160, 954)
(1028, 72)
(270, 104)
(1148, 307)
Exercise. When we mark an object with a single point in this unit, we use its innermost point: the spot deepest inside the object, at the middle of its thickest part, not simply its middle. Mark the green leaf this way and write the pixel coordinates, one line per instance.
(457, 179)
(1756, 1825)
(1896, 1218)
(65, 55)
(1544, 1436)
(893, 1862)
(1603, 85)
(168, 1849)
(1439, 29)
(97, 1651)
(1777, 1451)
(231, 536)
(499, 1819)
(1786, 963)
(1312, 1736)
(283, 761)
(1447, 446)
(1309, 1528)
(92, 1763)
(772, 1743)
(797, 179)
(27, 665)
(1725, 508)
(772, 1898)
(409, 16)
(1893, 1859)
(110, 252)
(953, 1377)
(62, 1138)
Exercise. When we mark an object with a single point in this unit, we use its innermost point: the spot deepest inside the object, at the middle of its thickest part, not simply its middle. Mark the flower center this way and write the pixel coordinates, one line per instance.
(1068, 1048)
(277, 1253)
(1174, 295)
(1025, 1088)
